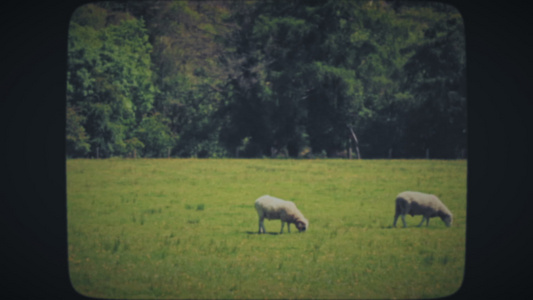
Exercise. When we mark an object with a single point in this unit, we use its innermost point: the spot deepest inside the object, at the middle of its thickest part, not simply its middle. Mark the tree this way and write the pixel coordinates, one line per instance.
(76, 140)
(155, 136)
(186, 37)
(109, 76)
(296, 83)
(266, 78)
(436, 76)
(247, 105)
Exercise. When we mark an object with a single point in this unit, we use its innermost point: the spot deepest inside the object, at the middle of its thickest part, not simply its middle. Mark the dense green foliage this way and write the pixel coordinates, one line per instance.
(266, 78)
(187, 229)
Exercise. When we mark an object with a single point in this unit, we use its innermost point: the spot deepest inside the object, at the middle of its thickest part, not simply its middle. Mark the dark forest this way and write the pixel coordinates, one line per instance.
(299, 79)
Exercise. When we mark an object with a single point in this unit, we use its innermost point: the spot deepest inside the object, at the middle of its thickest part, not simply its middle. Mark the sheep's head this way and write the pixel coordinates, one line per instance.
(448, 219)
(302, 226)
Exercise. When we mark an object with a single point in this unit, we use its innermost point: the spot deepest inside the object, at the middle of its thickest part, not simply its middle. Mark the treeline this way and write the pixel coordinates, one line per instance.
(266, 78)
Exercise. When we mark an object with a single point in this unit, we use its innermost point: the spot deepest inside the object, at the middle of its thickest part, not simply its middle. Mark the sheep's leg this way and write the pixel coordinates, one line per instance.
(423, 219)
(401, 209)
(427, 221)
(282, 224)
(289, 227)
(261, 225)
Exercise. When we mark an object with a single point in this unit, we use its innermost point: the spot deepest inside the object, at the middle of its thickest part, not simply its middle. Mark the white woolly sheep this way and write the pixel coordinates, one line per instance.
(416, 203)
(274, 208)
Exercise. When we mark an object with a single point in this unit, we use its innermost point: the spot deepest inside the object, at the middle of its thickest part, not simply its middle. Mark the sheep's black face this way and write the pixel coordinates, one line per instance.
(301, 226)
(447, 220)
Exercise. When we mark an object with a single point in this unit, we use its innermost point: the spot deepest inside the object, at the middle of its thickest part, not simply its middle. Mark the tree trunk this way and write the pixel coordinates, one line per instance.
(356, 143)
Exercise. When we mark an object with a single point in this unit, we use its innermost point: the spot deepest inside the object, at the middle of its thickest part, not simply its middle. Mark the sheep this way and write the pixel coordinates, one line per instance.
(417, 203)
(274, 208)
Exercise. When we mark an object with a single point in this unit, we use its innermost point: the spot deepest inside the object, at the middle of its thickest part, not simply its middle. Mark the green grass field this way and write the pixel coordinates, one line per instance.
(187, 228)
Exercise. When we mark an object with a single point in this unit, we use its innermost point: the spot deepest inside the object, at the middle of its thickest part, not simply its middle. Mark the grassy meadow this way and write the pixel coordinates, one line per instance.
(187, 229)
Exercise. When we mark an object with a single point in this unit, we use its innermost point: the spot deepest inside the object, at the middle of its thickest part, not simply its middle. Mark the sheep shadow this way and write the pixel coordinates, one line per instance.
(409, 227)
(397, 227)
(257, 233)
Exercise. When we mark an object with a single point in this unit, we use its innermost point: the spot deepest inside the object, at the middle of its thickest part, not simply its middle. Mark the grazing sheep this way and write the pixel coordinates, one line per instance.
(273, 208)
(416, 203)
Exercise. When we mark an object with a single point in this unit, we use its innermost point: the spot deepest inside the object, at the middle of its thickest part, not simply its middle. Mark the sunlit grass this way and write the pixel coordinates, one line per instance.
(187, 228)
